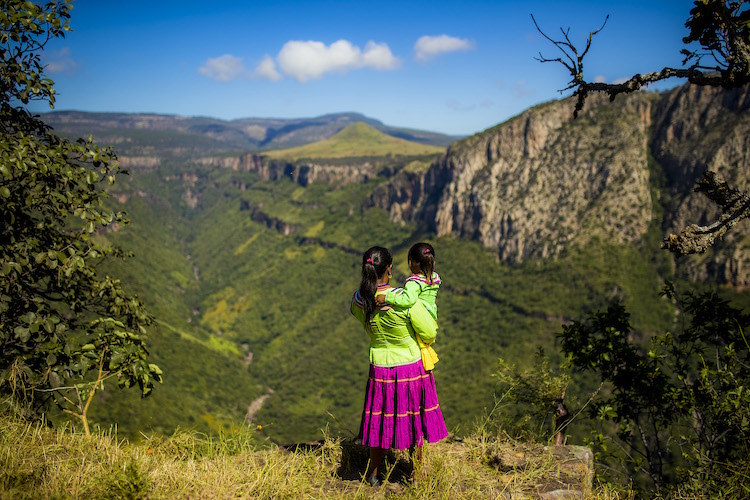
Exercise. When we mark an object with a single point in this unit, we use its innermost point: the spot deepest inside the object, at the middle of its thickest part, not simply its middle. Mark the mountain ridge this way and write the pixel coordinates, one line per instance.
(358, 139)
(125, 130)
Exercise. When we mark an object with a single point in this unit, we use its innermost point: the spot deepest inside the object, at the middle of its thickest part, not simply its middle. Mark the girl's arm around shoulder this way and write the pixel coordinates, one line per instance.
(404, 297)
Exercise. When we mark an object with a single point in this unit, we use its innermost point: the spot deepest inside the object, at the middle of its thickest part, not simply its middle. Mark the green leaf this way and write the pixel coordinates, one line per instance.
(22, 333)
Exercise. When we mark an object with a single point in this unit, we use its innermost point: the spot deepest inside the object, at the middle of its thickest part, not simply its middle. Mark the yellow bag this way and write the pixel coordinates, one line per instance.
(429, 356)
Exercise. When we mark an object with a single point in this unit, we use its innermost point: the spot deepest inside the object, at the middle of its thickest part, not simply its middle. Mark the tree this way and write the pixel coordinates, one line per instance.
(686, 398)
(722, 28)
(540, 391)
(64, 327)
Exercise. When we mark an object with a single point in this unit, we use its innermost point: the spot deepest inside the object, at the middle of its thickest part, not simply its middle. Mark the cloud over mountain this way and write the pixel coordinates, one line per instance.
(307, 60)
(428, 46)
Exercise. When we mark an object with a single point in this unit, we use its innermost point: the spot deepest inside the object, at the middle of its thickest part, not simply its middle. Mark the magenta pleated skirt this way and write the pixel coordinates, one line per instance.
(401, 408)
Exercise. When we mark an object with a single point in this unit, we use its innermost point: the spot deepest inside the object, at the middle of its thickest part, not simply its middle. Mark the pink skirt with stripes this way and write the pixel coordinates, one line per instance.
(401, 408)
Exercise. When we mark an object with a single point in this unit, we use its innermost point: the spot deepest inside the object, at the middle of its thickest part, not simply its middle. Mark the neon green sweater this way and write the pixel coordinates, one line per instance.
(393, 331)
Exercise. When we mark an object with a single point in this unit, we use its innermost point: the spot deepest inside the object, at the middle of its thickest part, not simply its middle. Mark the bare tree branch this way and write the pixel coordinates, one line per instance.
(726, 42)
(735, 206)
(723, 30)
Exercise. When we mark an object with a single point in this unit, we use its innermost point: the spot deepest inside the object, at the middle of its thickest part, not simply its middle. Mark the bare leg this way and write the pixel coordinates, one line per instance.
(376, 458)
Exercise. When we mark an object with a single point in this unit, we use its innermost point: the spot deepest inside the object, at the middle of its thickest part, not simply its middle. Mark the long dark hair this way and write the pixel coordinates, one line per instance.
(375, 262)
(423, 255)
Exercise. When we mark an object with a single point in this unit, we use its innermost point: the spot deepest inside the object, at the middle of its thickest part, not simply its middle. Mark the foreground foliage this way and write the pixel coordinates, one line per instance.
(64, 328)
(672, 416)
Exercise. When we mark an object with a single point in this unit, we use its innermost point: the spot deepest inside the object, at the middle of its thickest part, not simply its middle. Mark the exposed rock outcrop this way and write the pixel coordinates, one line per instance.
(542, 181)
(257, 215)
(533, 185)
(303, 173)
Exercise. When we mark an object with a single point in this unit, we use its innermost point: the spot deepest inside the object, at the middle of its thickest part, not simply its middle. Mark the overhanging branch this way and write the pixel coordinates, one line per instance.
(735, 206)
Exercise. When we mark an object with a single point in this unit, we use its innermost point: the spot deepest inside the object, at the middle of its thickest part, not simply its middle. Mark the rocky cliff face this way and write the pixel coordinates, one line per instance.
(698, 129)
(305, 172)
(532, 186)
(542, 181)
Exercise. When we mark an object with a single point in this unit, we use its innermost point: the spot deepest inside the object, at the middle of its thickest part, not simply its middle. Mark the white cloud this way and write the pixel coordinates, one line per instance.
(267, 69)
(306, 60)
(224, 68)
(620, 80)
(61, 61)
(600, 79)
(428, 47)
(379, 56)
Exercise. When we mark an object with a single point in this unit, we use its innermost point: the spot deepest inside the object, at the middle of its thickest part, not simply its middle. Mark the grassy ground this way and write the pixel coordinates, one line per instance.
(40, 462)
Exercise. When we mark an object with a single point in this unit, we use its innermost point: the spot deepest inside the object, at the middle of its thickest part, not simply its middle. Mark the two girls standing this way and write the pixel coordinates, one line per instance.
(401, 405)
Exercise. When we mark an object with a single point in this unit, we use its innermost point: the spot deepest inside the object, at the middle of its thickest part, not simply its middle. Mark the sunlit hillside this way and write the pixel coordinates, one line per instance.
(356, 140)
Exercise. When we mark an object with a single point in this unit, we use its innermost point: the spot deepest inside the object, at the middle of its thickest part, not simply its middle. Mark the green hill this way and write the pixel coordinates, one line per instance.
(356, 140)
(252, 287)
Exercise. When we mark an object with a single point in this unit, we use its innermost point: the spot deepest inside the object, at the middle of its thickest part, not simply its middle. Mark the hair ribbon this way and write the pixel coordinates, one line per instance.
(426, 251)
(370, 261)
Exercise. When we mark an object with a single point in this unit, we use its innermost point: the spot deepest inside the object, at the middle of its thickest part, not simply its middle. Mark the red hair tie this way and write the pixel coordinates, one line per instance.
(369, 261)
(426, 251)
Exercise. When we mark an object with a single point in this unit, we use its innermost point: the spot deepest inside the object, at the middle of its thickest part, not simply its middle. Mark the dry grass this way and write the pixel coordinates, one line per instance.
(39, 462)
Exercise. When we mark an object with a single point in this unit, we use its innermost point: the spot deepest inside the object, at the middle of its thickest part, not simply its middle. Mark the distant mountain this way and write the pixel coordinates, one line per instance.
(356, 140)
(146, 134)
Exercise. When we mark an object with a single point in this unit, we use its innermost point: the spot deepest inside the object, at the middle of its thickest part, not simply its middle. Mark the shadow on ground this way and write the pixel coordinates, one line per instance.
(354, 461)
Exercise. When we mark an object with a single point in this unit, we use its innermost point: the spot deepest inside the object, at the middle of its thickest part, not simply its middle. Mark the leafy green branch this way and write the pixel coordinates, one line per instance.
(60, 319)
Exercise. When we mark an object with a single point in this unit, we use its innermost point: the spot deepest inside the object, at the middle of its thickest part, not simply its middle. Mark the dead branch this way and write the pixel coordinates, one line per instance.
(731, 69)
(734, 204)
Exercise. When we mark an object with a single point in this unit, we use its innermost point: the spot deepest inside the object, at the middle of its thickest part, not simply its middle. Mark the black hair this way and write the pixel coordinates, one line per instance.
(375, 262)
(423, 255)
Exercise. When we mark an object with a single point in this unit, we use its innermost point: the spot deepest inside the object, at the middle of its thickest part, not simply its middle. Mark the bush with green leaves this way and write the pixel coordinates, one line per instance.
(538, 393)
(64, 328)
(681, 406)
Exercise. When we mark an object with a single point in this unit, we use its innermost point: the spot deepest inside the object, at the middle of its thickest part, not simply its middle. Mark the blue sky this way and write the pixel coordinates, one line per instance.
(451, 67)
